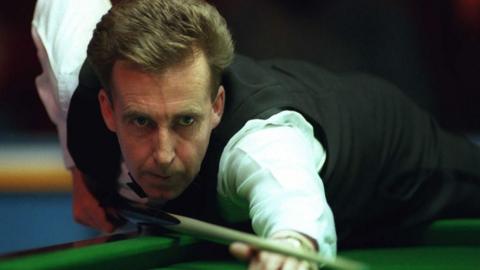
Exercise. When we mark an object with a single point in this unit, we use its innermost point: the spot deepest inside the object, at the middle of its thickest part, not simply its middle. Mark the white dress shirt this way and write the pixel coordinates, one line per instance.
(269, 173)
(61, 30)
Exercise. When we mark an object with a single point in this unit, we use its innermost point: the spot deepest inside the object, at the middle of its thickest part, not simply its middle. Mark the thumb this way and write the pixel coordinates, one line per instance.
(241, 251)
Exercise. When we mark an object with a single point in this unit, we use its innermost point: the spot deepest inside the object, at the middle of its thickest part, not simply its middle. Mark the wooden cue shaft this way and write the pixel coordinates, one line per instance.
(211, 232)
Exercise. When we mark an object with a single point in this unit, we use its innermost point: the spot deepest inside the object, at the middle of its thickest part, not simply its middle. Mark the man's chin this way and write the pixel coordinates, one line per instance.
(162, 196)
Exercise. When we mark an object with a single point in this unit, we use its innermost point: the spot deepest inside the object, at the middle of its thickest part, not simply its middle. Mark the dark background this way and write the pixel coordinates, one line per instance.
(429, 48)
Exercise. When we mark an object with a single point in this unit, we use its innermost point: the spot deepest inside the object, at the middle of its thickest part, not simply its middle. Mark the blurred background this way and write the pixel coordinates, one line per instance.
(429, 48)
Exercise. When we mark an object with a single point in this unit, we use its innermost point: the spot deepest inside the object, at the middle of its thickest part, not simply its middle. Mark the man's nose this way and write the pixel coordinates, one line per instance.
(165, 148)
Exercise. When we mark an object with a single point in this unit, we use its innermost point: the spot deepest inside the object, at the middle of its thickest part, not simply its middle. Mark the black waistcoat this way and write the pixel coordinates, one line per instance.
(371, 133)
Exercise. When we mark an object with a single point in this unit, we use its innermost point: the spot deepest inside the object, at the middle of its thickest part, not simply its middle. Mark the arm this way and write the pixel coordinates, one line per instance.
(86, 208)
(61, 30)
(271, 168)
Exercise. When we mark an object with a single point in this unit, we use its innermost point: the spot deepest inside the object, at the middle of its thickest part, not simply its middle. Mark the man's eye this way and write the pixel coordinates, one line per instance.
(186, 120)
(141, 121)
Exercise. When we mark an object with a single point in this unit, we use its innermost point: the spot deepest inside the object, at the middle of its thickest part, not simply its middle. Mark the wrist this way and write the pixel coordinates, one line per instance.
(296, 240)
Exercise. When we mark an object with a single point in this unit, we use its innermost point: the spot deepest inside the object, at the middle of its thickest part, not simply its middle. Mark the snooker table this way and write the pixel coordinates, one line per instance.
(445, 244)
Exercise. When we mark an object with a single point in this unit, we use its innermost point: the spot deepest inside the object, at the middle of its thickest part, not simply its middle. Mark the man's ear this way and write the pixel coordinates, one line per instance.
(107, 110)
(218, 106)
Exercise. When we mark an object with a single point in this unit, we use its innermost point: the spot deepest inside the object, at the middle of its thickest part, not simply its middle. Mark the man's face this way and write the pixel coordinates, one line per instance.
(163, 123)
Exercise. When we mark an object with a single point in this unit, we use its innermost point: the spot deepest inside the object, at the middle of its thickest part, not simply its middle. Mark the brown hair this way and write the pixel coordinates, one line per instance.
(154, 35)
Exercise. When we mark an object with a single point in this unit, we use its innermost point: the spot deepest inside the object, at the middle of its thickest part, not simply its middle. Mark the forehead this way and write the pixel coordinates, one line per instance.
(194, 72)
(183, 85)
(196, 60)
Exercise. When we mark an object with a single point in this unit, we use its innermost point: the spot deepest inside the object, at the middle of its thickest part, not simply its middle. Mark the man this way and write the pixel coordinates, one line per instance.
(263, 137)
(173, 102)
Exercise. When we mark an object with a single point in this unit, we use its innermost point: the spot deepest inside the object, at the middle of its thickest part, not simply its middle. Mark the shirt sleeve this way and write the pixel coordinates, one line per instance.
(61, 31)
(270, 170)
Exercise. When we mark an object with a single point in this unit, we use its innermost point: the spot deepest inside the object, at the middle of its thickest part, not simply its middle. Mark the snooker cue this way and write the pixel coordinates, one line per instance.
(223, 235)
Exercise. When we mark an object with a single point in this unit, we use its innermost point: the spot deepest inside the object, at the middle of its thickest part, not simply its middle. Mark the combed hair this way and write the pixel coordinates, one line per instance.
(153, 35)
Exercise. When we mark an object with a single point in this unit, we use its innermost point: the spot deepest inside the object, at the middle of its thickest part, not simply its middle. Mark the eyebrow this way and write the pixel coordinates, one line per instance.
(131, 113)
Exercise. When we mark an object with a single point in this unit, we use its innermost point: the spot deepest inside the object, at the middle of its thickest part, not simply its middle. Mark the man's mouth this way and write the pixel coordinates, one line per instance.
(155, 180)
(161, 176)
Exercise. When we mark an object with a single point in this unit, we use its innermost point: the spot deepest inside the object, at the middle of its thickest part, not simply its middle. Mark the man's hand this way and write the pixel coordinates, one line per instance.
(86, 208)
(268, 260)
